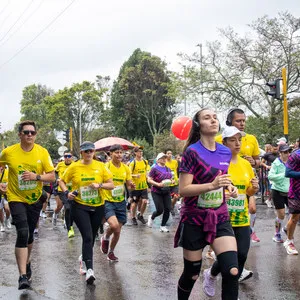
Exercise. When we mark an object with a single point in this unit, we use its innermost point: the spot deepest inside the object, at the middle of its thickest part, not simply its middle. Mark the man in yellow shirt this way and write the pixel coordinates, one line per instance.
(139, 168)
(172, 164)
(115, 203)
(61, 199)
(29, 166)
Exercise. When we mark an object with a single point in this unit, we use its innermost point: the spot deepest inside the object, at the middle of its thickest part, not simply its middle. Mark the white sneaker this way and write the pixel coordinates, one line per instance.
(90, 276)
(269, 203)
(290, 247)
(246, 274)
(8, 224)
(150, 221)
(2, 228)
(82, 266)
(164, 229)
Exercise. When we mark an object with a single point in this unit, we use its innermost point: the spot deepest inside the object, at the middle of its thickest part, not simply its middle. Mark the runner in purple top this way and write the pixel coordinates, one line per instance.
(204, 215)
(293, 172)
(160, 179)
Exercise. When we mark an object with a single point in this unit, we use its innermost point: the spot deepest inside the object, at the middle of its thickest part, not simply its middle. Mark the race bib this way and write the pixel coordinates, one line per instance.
(89, 195)
(69, 186)
(237, 204)
(211, 199)
(118, 191)
(26, 185)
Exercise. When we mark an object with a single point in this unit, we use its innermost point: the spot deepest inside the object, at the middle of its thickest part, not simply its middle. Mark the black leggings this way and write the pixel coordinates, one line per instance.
(88, 220)
(25, 217)
(67, 205)
(242, 235)
(163, 205)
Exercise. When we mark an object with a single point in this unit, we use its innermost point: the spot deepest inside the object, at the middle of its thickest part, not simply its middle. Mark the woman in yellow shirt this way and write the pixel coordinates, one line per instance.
(88, 177)
(243, 178)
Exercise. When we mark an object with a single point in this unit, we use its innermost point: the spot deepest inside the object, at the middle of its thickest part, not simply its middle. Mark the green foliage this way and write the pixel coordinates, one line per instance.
(236, 69)
(67, 106)
(142, 102)
(167, 140)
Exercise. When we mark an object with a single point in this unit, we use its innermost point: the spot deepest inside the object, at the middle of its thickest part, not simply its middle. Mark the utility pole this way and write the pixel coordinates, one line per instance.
(201, 74)
(285, 105)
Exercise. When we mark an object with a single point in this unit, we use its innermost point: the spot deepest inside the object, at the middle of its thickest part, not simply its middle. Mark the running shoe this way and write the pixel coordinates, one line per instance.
(90, 276)
(28, 271)
(290, 247)
(163, 229)
(82, 266)
(8, 223)
(269, 203)
(134, 221)
(254, 237)
(111, 257)
(104, 245)
(141, 219)
(36, 234)
(2, 228)
(209, 283)
(150, 221)
(71, 232)
(173, 212)
(54, 219)
(23, 282)
(277, 238)
(246, 274)
(210, 255)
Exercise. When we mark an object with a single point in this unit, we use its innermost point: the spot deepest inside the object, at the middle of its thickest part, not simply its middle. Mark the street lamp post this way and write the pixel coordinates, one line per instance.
(201, 74)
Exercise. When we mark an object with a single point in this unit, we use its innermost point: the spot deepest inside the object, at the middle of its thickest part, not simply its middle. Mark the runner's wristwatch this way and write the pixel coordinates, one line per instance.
(38, 178)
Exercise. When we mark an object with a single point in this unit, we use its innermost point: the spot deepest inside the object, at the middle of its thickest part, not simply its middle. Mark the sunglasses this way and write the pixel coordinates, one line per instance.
(88, 151)
(285, 152)
(68, 156)
(27, 132)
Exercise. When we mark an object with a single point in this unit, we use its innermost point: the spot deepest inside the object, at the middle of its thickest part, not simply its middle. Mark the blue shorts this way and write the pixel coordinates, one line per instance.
(117, 209)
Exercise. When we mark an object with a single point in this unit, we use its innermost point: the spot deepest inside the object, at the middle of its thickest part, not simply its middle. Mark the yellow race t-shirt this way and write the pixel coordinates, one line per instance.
(81, 176)
(5, 176)
(173, 166)
(241, 175)
(139, 167)
(120, 176)
(60, 170)
(37, 161)
(249, 145)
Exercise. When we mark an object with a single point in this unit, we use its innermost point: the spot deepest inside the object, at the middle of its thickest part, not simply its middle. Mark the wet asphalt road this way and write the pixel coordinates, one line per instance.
(148, 267)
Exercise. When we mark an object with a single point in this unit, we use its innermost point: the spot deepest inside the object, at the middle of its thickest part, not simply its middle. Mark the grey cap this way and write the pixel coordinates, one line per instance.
(87, 146)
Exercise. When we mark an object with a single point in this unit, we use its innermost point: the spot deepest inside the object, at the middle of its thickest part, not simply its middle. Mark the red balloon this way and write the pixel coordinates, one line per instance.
(181, 127)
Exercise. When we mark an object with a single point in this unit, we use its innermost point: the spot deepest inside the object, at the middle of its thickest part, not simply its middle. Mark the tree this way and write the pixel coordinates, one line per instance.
(141, 105)
(80, 104)
(235, 75)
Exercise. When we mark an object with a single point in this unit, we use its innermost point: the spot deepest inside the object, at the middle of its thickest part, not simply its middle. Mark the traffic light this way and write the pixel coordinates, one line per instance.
(274, 89)
(68, 135)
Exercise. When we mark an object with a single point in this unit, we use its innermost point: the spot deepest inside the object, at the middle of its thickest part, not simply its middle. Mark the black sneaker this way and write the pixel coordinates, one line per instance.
(23, 282)
(134, 221)
(141, 219)
(28, 271)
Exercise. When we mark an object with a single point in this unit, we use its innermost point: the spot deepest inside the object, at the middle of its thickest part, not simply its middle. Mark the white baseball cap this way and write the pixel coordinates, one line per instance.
(230, 131)
(160, 155)
(281, 141)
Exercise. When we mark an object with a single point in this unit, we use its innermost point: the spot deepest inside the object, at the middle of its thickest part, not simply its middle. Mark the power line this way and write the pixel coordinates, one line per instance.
(41, 32)
(21, 25)
(20, 16)
(4, 7)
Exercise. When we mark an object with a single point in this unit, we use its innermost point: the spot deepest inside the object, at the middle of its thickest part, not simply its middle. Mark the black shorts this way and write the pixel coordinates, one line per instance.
(294, 206)
(48, 189)
(174, 190)
(279, 199)
(136, 195)
(192, 237)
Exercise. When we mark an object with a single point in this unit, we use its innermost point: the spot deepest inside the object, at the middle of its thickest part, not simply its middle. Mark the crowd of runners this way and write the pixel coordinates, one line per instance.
(211, 186)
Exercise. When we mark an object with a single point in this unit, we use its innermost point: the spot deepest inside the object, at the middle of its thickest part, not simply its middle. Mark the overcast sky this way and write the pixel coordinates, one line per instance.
(66, 41)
